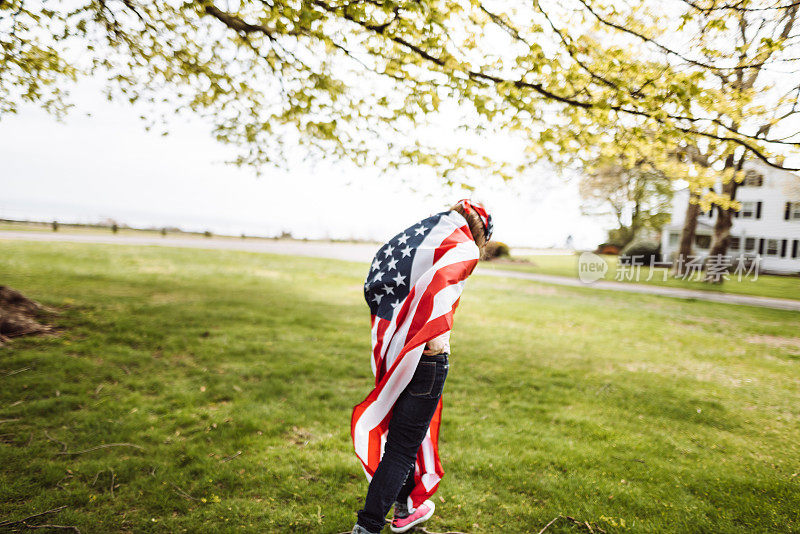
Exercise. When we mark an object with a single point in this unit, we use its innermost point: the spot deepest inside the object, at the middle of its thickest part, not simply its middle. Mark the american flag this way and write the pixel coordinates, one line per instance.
(412, 289)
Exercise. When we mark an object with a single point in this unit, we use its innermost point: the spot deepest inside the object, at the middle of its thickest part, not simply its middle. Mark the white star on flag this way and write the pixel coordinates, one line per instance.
(376, 264)
(388, 251)
(406, 251)
(389, 289)
(392, 264)
(395, 304)
(420, 230)
(402, 239)
(377, 298)
(399, 280)
(378, 276)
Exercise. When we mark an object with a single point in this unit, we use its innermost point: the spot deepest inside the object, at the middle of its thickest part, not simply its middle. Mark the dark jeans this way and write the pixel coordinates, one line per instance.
(412, 414)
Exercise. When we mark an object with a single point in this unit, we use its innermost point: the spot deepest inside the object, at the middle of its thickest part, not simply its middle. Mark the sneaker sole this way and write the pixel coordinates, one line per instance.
(415, 522)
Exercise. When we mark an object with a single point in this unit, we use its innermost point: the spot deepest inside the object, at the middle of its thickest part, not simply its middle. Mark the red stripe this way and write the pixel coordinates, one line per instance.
(461, 235)
(374, 454)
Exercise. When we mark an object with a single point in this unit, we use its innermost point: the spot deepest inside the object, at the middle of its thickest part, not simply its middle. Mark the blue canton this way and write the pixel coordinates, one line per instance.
(387, 284)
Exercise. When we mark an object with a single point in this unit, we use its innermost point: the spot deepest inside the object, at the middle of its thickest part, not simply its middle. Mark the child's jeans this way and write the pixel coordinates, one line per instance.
(412, 414)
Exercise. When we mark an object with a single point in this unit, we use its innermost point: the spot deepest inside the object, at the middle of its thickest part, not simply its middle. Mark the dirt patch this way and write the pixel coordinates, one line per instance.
(300, 436)
(19, 315)
(777, 342)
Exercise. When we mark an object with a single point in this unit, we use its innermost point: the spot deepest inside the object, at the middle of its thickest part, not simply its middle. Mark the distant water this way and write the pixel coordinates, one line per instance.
(36, 210)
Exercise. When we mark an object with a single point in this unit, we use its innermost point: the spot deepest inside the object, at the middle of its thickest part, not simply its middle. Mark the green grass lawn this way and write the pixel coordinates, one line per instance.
(567, 265)
(234, 375)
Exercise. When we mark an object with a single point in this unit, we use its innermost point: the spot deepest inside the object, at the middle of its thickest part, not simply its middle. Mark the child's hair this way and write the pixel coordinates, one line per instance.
(475, 226)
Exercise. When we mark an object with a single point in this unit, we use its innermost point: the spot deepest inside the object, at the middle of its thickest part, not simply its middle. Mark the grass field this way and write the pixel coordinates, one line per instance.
(567, 265)
(234, 374)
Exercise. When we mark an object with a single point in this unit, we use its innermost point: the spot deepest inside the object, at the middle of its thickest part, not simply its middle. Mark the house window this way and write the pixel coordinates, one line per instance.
(702, 241)
(753, 179)
(673, 239)
(792, 212)
(772, 247)
(748, 210)
(735, 242)
(749, 244)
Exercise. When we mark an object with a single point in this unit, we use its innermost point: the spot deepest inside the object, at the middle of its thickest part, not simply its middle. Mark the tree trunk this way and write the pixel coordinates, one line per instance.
(687, 235)
(722, 229)
(627, 237)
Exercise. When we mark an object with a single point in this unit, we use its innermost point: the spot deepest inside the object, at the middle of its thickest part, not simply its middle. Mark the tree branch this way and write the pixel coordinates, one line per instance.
(541, 90)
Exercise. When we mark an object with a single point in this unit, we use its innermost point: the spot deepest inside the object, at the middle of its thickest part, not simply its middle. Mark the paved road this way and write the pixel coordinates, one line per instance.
(675, 292)
(363, 252)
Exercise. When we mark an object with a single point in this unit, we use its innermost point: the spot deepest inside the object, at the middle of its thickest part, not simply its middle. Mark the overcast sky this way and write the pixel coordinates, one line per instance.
(106, 166)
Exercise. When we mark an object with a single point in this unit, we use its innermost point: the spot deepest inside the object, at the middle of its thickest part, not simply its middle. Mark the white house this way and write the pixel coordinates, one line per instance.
(768, 225)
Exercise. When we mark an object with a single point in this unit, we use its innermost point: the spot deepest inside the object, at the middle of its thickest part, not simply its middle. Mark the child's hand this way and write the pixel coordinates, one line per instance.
(438, 345)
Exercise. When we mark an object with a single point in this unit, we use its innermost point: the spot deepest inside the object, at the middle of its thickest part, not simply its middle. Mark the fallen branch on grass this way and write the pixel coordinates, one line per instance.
(54, 440)
(17, 371)
(185, 495)
(104, 446)
(550, 523)
(60, 527)
(231, 457)
(24, 521)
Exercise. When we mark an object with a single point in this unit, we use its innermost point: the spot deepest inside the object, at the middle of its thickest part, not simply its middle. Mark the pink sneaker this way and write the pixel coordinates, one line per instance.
(420, 515)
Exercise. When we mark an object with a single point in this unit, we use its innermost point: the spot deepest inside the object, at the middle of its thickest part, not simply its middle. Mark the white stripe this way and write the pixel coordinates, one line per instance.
(374, 336)
(429, 480)
(423, 257)
(427, 453)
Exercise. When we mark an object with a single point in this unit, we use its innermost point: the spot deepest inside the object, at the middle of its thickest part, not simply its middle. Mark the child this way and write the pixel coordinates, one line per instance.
(412, 289)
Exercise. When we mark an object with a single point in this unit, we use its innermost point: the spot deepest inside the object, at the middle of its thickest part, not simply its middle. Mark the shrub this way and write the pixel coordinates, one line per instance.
(496, 249)
(644, 252)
